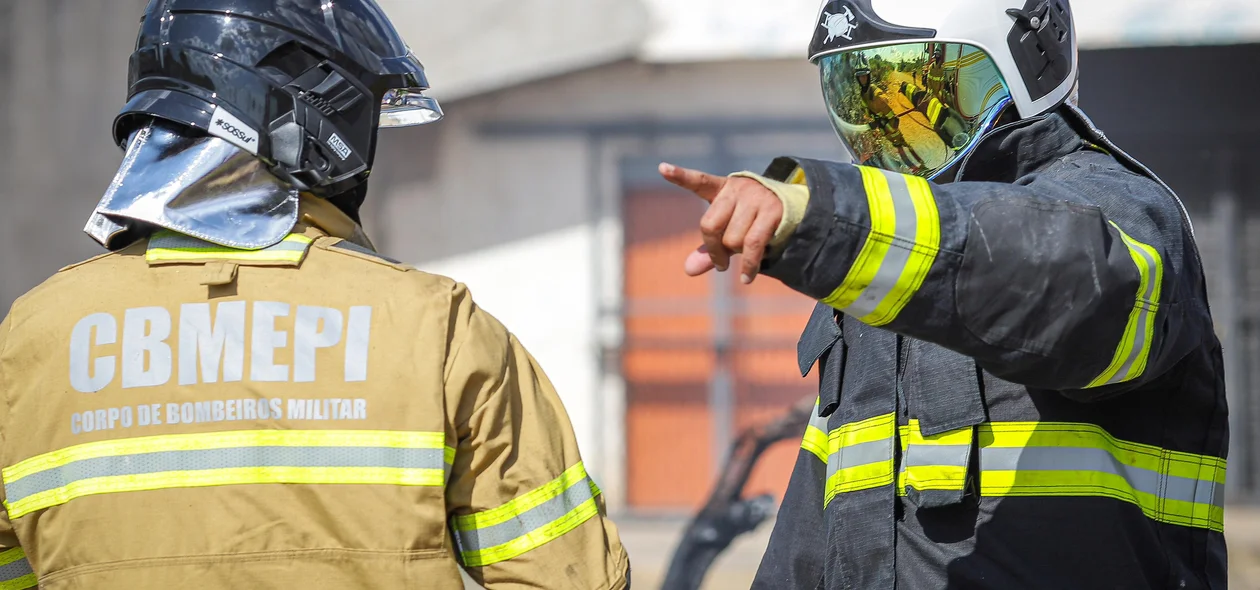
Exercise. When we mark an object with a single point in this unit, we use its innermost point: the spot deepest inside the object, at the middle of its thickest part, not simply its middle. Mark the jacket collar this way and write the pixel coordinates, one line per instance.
(1014, 151)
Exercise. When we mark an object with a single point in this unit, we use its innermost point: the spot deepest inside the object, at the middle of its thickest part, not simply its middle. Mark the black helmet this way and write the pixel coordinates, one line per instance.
(302, 84)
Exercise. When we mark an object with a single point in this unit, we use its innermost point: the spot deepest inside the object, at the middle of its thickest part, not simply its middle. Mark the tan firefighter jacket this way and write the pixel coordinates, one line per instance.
(180, 415)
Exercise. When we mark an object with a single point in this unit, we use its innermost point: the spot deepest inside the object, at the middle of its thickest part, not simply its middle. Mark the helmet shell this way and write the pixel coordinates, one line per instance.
(1033, 42)
(298, 83)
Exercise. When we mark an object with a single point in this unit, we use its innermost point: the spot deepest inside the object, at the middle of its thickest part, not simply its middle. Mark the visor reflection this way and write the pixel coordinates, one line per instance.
(914, 108)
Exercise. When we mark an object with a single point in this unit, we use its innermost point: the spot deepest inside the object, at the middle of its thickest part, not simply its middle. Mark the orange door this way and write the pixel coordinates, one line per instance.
(703, 359)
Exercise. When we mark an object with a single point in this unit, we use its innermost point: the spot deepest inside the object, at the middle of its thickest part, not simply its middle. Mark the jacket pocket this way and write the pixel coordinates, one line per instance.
(939, 443)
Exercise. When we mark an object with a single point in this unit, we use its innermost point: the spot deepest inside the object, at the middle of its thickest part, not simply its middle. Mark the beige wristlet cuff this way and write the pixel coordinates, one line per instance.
(795, 199)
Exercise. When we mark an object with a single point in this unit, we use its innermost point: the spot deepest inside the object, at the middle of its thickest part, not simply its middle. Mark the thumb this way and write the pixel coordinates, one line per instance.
(705, 185)
(698, 262)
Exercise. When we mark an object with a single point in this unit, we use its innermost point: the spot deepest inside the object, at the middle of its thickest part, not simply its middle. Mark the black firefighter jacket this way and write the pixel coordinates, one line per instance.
(1023, 389)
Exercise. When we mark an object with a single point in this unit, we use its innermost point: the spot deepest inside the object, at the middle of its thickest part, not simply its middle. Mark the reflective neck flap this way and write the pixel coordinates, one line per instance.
(198, 186)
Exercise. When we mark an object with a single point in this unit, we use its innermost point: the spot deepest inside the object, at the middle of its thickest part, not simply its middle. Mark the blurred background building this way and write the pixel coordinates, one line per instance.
(539, 190)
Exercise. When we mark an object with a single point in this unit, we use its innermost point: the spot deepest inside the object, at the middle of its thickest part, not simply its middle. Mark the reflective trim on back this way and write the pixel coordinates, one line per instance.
(227, 458)
(167, 247)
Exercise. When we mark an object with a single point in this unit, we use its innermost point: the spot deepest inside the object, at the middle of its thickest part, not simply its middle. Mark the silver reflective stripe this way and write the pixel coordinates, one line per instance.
(898, 256)
(15, 570)
(930, 455)
(1145, 304)
(1101, 461)
(858, 455)
(817, 421)
(527, 522)
(172, 241)
(207, 459)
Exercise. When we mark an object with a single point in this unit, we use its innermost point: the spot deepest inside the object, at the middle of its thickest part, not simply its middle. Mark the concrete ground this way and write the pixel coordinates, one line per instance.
(652, 542)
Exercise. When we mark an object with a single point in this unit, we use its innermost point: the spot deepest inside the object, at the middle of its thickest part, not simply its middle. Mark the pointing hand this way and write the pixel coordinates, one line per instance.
(742, 218)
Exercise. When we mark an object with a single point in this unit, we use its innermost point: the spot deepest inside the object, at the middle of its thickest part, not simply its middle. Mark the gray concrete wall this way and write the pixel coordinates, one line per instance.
(63, 67)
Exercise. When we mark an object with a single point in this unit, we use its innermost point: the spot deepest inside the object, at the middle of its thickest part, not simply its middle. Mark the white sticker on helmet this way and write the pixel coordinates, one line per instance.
(225, 125)
(339, 146)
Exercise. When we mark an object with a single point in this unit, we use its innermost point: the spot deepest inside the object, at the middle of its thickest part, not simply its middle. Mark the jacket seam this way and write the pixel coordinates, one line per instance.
(329, 244)
(261, 556)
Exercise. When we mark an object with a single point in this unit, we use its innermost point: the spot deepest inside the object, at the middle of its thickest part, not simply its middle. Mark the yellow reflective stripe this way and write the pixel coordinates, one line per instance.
(15, 571)
(523, 503)
(927, 244)
(1078, 435)
(878, 241)
(816, 436)
(529, 521)
(222, 477)
(11, 556)
(969, 59)
(815, 442)
(900, 249)
(856, 479)
(934, 111)
(22, 583)
(1098, 484)
(167, 246)
(871, 430)
(226, 458)
(229, 439)
(1063, 459)
(1134, 349)
(999, 87)
(937, 462)
(860, 456)
(1030, 459)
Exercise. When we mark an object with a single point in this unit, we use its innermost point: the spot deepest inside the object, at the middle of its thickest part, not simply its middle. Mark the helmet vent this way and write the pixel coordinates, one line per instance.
(318, 102)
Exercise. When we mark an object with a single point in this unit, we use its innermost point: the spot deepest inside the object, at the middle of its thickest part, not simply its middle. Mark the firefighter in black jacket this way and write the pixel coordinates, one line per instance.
(1019, 385)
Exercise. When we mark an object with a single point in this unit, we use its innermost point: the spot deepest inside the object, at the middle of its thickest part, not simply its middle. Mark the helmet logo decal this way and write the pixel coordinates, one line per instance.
(839, 25)
(845, 23)
(226, 126)
(339, 146)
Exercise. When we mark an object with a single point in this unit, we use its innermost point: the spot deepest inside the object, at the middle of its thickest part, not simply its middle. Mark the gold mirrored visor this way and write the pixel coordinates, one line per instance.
(914, 108)
(408, 107)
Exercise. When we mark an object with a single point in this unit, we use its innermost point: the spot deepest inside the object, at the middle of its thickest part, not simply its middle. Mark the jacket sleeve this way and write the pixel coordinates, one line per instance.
(15, 570)
(523, 511)
(797, 553)
(1082, 279)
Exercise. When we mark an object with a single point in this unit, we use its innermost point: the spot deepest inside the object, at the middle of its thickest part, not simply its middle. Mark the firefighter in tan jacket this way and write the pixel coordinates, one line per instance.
(243, 394)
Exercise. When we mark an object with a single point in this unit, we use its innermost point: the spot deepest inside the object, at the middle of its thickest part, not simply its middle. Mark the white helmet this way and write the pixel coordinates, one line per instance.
(951, 67)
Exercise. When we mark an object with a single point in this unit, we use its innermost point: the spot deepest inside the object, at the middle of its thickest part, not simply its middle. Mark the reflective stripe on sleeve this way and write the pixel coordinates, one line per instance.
(1134, 349)
(168, 246)
(15, 571)
(226, 458)
(934, 111)
(815, 440)
(900, 249)
(861, 456)
(528, 522)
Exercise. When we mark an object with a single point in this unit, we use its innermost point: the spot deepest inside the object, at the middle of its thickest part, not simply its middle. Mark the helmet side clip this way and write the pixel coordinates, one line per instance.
(1041, 42)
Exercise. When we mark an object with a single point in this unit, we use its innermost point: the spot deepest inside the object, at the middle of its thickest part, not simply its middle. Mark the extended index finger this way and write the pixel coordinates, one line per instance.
(706, 186)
